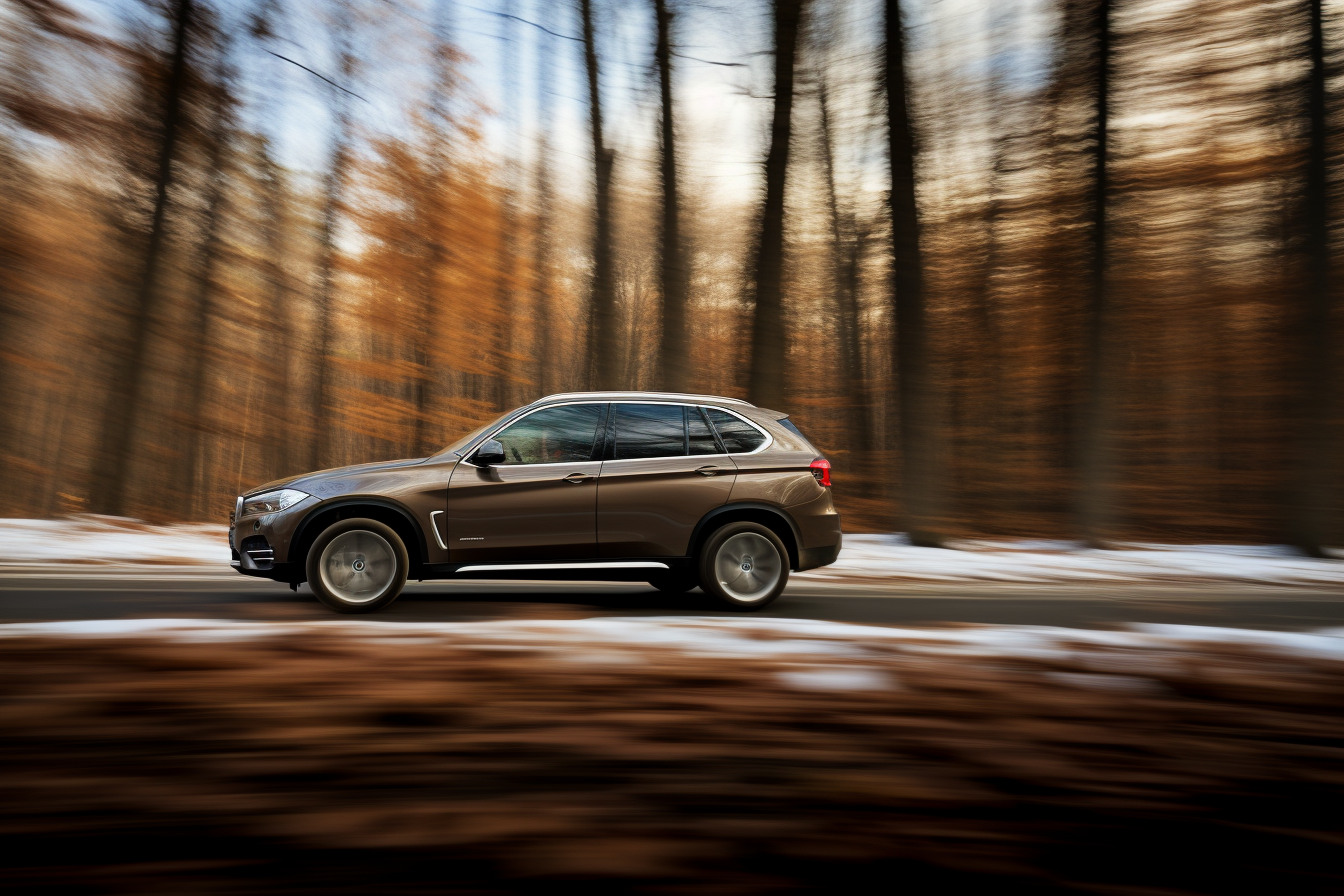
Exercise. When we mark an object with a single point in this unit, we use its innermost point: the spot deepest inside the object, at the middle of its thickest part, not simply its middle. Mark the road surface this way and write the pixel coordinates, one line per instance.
(31, 595)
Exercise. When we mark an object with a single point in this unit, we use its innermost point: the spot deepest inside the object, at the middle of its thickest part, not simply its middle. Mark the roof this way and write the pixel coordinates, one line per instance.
(642, 396)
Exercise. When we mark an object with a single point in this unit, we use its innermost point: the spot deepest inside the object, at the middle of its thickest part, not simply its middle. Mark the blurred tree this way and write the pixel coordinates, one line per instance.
(321, 448)
(1314, 481)
(506, 295)
(768, 335)
(1096, 462)
(436, 252)
(543, 297)
(603, 359)
(206, 275)
(849, 239)
(110, 473)
(674, 355)
(921, 475)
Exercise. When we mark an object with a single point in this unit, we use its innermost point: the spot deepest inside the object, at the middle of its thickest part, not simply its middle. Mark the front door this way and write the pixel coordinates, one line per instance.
(663, 473)
(541, 503)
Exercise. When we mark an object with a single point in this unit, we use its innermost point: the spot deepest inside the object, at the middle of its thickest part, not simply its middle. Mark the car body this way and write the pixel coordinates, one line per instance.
(582, 485)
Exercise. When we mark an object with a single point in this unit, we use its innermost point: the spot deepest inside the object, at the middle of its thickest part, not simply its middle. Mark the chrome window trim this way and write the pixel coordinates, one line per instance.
(609, 564)
(518, 419)
(769, 439)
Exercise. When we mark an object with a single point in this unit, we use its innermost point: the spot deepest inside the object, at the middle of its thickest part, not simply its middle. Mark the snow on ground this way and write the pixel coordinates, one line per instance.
(822, 655)
(887, 558)
(111, 540)
(870, 559)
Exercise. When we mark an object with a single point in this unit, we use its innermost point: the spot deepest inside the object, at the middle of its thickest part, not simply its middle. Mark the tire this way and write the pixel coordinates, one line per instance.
(744, 566)
(357, 566)
(675, 583)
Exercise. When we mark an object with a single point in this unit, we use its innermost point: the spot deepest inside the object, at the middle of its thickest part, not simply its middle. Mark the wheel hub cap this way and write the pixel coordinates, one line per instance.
(748, 566)
(358, 566)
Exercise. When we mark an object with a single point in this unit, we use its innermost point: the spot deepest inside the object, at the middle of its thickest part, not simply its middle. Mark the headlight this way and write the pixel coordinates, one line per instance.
(272, 502)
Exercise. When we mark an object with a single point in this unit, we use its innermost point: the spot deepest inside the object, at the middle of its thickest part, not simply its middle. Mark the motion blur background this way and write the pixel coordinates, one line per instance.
(242, 240)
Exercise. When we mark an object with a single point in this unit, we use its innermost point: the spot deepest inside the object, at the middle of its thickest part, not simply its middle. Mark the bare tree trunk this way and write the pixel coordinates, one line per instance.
(1096, 491)
(674, 356)
(1309, 515)
(321, 441)
(435, 252)
(203, 301)
(542, 296)
(768, 333)
(508, 238)
(992, 451)
(603, 363)
(846, 256)
(921, 473)
(110, 472)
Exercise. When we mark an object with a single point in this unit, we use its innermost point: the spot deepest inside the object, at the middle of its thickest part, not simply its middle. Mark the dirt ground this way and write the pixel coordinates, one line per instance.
(344, 763)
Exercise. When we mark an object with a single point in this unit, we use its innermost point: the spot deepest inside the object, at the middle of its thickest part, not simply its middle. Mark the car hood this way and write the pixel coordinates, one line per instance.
(321, 482)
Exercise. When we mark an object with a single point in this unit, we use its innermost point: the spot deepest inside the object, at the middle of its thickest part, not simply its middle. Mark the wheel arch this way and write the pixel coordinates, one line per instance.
(773, 518)
(390, 513)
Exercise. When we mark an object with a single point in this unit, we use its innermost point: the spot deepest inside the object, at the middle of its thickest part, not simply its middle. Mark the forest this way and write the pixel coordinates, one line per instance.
(1053, 269)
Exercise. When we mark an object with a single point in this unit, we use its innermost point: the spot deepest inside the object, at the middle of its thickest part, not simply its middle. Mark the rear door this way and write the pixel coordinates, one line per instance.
(663, 471)
(541, 503)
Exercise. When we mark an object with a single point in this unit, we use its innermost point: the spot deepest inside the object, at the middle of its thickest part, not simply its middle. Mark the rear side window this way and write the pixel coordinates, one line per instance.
(739, 436)
(649, 430)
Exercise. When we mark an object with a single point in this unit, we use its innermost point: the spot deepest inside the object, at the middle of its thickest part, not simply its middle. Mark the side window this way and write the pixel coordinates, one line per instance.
(738, 436)
(552, 436)
(702, 440)
(649, 430)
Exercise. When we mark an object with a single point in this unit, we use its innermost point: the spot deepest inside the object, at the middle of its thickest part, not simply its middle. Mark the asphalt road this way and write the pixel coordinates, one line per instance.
(42, 595)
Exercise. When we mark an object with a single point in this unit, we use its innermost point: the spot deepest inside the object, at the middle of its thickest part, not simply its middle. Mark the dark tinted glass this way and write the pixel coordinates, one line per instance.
(649, 430)
(552, 436)
(702, 440)
(738, 436)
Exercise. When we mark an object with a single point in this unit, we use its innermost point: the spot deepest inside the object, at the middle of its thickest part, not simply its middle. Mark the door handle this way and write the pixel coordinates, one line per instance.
(710, 470)
(578, 478)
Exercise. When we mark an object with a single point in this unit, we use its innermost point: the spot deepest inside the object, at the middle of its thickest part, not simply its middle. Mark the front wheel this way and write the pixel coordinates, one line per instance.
(744, 565)
(357, 566)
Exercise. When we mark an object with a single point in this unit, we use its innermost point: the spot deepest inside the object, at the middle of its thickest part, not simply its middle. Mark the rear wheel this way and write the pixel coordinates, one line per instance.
(357, 566)
(744, 565)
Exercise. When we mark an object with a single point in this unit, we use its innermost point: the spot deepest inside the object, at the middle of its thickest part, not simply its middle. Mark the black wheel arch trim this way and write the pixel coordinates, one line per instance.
(300, 533)
(795, 550)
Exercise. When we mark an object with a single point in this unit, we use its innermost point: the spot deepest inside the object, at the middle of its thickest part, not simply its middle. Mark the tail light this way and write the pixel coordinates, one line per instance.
(821, 471)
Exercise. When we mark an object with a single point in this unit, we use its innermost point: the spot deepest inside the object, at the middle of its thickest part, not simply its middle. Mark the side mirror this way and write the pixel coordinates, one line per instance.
(490, 452)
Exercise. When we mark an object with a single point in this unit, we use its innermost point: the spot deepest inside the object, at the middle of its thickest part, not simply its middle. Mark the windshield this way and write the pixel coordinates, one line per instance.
(456, 447)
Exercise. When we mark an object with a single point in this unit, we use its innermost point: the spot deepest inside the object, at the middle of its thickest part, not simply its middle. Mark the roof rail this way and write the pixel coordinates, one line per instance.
(635, 395)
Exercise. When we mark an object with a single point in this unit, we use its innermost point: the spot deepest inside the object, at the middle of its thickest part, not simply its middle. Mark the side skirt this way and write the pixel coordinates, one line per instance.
(633, 570)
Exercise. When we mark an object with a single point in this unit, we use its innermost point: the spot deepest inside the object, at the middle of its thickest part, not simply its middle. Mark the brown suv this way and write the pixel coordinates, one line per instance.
(674, 490)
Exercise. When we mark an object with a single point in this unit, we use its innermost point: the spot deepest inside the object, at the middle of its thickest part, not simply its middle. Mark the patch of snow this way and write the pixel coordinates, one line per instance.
(111, 540)
(620, 639)
(837, 678)
(888, 558)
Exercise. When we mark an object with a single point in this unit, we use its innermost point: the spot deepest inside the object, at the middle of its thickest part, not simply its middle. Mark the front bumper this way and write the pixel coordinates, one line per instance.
(259, 543)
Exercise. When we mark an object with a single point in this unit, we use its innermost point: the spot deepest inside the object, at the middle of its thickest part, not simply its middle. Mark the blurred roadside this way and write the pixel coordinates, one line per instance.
(656, 755)
(192, 548)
